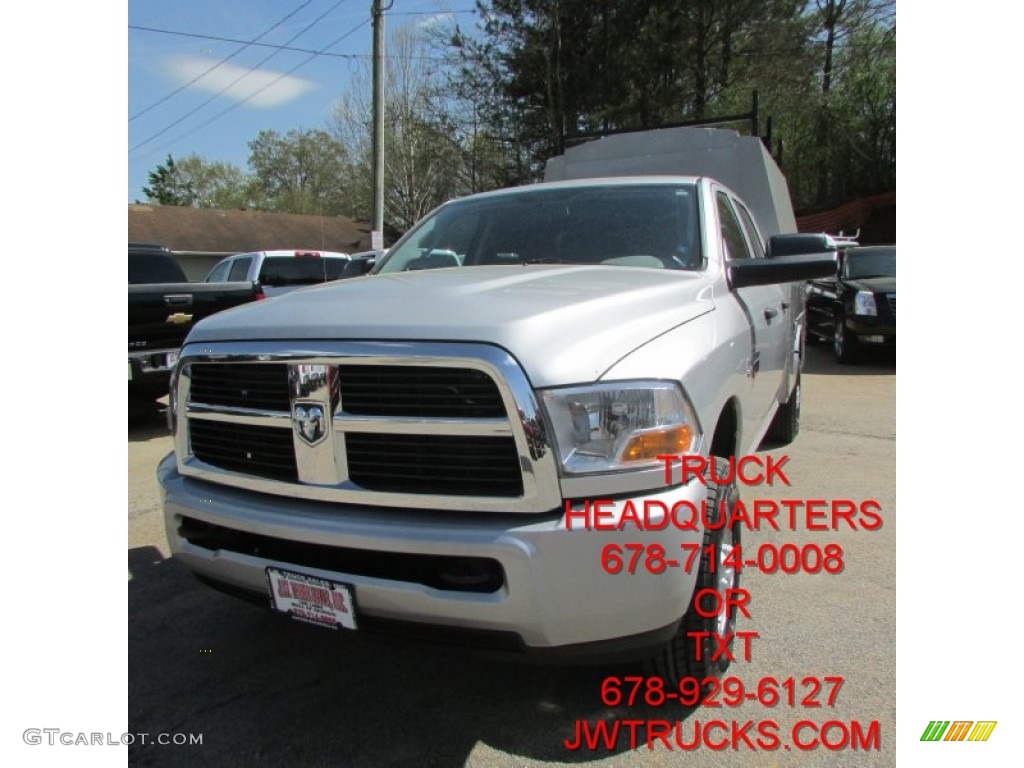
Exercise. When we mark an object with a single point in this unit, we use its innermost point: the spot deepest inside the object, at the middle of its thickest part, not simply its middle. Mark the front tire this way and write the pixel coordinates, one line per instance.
(844, 343)
(688, 656)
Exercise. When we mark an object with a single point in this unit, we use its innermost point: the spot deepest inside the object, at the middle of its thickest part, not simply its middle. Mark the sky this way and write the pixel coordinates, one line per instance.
(191, 94)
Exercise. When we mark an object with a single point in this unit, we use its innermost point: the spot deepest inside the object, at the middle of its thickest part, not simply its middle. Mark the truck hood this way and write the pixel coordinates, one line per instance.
(565, 324)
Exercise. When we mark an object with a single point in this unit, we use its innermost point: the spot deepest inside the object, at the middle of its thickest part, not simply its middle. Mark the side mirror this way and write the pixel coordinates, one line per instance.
(797, 244)
(782, 269)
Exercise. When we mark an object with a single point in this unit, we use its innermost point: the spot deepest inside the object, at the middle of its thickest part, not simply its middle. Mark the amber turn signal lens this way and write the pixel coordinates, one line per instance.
(658, 442)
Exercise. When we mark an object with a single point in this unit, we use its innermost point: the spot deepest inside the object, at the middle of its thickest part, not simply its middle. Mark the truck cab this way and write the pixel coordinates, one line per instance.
(280, 271)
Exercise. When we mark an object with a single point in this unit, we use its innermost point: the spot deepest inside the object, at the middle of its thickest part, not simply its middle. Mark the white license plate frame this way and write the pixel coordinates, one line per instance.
(312, 599)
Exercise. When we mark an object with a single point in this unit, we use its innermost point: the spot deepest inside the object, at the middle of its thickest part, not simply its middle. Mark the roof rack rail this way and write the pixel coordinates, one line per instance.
(845, 241)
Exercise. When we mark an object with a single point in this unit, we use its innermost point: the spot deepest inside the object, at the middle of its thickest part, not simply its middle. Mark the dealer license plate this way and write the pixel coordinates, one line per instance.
(312, 599)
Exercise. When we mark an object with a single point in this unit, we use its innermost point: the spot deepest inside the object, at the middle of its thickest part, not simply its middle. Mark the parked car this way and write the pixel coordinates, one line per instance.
(856, 307)
(361, 263)
(162, 306)
(280, 271)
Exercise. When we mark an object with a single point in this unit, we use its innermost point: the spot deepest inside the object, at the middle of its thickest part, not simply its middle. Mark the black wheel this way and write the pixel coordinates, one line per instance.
(786, 424)
(684, 655)
(844, 343)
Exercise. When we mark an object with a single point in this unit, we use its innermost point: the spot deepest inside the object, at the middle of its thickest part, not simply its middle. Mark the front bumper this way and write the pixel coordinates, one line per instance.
(554, 594)
(872, 330)
(149, 372)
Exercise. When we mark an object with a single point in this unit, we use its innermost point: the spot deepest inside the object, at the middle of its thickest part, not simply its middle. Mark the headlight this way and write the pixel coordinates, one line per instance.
(864, 303)
(620, 425)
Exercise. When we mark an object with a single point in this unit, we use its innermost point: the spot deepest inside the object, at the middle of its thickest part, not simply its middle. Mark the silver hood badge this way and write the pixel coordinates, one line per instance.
(308, 422)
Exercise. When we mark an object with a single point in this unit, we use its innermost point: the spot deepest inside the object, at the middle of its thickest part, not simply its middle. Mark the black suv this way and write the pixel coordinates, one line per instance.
(857, 307)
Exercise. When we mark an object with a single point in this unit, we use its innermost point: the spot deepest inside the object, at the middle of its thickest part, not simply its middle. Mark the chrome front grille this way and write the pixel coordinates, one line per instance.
(439, 426)
(892, 303)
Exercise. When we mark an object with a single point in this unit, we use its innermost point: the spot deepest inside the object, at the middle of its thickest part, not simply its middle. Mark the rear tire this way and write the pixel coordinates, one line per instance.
(679, 658)
(785, 425)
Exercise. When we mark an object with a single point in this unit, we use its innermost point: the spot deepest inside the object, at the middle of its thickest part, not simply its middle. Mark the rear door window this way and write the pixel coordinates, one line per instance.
(732, 232)
(753, 235)
(219, 273)
(240, 269)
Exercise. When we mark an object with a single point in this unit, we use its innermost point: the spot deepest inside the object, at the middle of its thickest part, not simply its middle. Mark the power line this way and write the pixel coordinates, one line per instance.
(257, 92)
(252, 43)
(430, 13)
(237, 80)
(218, 64)
(255, 44)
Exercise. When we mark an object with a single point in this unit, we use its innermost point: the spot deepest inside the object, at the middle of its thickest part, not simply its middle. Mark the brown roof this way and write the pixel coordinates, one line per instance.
(212, 230)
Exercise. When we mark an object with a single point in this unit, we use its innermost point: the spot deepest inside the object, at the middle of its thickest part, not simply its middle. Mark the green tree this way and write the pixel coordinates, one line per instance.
(304, 171)
(423, 157)
(849, 92)
(217, 184)
(568, 67)
(541, 72)
(168, 185)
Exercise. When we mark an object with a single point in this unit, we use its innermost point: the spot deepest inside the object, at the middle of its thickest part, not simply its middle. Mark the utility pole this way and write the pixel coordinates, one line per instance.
(377, 236)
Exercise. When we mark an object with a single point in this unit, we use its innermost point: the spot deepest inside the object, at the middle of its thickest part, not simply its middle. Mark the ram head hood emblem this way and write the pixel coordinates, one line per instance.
(308, 422)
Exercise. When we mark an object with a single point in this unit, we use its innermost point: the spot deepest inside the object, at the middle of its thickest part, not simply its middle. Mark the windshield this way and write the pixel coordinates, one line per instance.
(628, 225)
(861, 263)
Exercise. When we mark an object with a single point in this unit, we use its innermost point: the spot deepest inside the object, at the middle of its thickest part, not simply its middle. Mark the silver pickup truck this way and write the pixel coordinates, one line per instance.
(447, 446)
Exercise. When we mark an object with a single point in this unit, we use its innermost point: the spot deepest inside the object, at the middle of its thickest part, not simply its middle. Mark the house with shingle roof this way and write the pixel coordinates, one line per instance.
(200, 237)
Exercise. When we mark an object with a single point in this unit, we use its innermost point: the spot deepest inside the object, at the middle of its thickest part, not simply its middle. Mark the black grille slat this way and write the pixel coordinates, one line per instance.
(435, 464)
(419, 391)
(250, 385)
(892, 303)
(261, 451)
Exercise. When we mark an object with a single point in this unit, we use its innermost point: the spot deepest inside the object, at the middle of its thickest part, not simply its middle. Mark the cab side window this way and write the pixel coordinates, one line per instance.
(732, 232)
(752, 233)
(240, 269)
(219, 273)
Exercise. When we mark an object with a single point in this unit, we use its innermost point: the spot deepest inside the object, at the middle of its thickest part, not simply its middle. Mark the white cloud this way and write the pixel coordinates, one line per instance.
(430, 23)
(256, 85)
